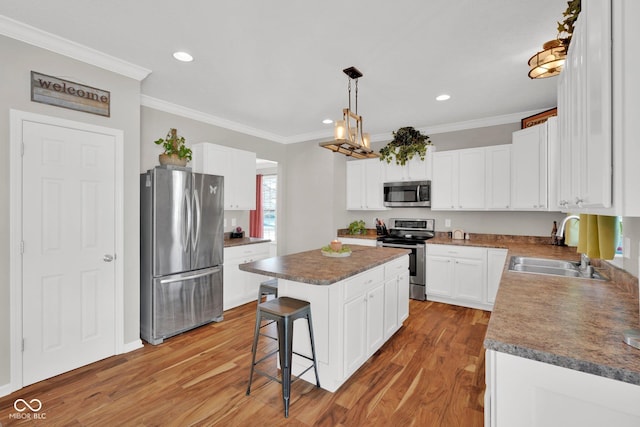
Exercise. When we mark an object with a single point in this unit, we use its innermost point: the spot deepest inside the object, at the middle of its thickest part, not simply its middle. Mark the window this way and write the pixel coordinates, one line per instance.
(269, 196)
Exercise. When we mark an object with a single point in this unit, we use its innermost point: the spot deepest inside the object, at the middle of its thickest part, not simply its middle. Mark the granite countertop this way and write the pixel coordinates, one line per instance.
(314, 268)
(569, 322)
(244, 241)
(369, 235)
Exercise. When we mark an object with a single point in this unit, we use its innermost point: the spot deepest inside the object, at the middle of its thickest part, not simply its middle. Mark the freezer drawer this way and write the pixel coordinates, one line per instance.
(183, 301)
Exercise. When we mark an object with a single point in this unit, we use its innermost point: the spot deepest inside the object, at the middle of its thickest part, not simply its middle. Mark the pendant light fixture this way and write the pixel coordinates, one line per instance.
(549, 61)
(349, 137)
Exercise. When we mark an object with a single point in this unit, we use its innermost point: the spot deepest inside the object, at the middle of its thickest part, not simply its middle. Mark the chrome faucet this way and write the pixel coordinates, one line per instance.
(560, 232)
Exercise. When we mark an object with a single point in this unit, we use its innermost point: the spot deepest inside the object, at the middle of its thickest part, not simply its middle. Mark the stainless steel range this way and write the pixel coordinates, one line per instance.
(411, 233)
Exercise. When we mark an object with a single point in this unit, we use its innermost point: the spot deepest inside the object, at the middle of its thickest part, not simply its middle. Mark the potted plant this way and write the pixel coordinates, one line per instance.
(407, 143)
(567, 26)
(175, 152)
(357, 227)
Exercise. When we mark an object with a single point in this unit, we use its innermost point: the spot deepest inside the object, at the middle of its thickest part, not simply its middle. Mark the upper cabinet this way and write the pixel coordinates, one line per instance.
(598, 113)
(414, 170)
(584, 106)
(364, 185)
(472, 179)
(238, 168)
(530, 181)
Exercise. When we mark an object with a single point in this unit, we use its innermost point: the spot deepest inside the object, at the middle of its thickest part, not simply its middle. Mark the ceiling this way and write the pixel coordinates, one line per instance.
(274, 68)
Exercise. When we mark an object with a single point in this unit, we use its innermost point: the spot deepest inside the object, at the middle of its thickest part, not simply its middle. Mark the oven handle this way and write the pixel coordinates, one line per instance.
(394, 245)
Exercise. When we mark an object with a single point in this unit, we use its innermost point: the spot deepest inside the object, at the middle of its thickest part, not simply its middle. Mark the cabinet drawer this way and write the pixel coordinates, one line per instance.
(254, 251)
(359, 284)
(396, 268)
(456, 251)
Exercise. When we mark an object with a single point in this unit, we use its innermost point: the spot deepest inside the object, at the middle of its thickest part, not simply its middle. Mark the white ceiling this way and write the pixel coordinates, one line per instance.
(275, 67)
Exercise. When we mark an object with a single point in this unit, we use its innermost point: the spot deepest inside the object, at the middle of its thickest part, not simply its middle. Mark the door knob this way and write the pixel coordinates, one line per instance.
(108, 258)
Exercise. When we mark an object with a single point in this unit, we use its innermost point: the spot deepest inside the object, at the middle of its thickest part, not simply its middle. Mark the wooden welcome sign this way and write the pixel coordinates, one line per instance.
(63, 93)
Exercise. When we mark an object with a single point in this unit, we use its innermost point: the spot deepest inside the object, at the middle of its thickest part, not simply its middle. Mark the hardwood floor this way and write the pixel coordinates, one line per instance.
(431, 373)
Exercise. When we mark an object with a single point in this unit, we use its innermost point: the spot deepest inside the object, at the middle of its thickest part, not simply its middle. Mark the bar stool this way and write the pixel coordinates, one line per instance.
(284, 311)
(268, 287)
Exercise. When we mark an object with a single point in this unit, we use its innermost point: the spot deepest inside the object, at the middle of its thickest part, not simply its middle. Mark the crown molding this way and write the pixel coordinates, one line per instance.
(36, 37)
(480, 123)
(179, 110)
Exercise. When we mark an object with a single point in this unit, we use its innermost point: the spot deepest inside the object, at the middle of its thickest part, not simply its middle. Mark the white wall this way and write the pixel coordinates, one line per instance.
(19, 59)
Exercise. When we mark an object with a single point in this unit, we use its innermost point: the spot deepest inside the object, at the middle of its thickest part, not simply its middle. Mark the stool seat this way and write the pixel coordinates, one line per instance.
(284, 311)
(285, 307)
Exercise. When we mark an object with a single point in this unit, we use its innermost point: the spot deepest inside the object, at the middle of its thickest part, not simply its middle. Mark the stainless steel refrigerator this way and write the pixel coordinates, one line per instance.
(181, 251)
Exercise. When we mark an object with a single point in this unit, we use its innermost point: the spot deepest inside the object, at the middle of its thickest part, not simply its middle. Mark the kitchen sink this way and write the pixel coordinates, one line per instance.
(552, 267)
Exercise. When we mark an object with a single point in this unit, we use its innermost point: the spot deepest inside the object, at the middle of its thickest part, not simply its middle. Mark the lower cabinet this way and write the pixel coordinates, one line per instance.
(525, 392)
(241, 287)
(467, 276)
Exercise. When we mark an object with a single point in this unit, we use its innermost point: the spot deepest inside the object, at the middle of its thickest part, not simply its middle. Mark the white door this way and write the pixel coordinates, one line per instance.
(69, 236)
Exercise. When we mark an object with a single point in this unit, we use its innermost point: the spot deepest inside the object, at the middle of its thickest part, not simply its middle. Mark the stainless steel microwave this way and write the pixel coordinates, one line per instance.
(407, 194)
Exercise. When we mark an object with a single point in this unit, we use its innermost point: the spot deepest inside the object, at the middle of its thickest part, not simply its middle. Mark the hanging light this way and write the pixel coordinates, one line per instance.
(549, 61)
(348, 135)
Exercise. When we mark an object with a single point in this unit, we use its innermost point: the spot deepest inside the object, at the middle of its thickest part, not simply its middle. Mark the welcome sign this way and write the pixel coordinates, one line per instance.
(63, 93)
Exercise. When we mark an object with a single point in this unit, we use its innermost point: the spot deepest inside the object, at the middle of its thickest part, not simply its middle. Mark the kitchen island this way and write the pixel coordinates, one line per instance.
(357, 303)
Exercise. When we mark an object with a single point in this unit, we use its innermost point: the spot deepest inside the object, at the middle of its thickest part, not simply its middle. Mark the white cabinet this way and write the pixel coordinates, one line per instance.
(459, 180)
(241, 287)
(496, 259)
(364, 185)
(585, 110)
(464, 275)
(414, 170)
(351, 319)
(238, 168)
(498, 177)
(364, 322)
(530, 183)
(525, 392)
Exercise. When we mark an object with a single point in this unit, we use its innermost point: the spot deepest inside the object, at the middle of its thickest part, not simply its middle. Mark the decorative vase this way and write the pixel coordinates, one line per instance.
(172, 160)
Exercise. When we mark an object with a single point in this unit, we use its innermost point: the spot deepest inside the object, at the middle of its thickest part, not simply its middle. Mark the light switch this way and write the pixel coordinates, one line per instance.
(447, 222)
(233, 222)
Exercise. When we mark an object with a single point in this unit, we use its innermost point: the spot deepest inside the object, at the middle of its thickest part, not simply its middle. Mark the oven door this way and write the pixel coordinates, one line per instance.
(417, 272)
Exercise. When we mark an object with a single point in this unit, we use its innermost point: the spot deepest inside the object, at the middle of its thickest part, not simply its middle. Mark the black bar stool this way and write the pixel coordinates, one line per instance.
(284, 311)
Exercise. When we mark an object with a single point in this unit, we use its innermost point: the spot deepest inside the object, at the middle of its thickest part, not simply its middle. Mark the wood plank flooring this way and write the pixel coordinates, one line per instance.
(431, 373)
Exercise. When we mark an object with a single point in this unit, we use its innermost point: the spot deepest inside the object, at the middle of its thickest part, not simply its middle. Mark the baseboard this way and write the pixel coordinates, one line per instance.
(133, 345)
(6, 389)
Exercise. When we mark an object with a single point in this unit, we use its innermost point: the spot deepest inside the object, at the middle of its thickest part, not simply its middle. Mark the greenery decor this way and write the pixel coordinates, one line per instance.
(567, 26)
(174, 145)
(407, 143)
(357, 227)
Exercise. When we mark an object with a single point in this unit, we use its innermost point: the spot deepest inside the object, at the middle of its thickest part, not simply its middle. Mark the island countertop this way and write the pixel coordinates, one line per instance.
(314, 268)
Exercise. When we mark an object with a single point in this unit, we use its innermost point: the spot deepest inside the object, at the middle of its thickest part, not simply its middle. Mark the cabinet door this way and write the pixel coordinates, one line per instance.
(444, 188)
(403, 297)
(355, 334)
(355, 181)
(471, 179)
(469, 279)
(373, 184)
(242, 179)
(529, 168)
(498, 176)
(375, 318)
(439, 276)
(233, 285)
(391, 295)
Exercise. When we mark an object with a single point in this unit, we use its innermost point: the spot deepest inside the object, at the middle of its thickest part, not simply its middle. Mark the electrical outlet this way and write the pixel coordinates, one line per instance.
(447, 222)
(233, 222)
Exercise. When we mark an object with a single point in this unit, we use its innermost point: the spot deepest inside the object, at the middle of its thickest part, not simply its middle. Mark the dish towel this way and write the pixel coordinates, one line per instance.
(597, 238)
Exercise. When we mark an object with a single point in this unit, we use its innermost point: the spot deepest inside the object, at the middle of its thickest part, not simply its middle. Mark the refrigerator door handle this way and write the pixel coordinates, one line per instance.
(195, 231)
(187, 230)
(181, 278)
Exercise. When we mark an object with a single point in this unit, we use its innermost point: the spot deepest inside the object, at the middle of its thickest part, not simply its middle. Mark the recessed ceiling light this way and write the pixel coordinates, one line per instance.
(442, 97)
(327, 121)
(183, 56)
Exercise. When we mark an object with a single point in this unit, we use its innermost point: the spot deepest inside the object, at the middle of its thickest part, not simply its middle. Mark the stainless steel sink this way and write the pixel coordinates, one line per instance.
(552, 267)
